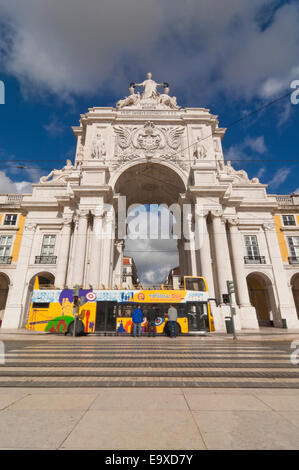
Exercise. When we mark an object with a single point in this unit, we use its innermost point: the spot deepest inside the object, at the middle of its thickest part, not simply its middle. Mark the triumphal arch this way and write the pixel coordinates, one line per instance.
(149, 150)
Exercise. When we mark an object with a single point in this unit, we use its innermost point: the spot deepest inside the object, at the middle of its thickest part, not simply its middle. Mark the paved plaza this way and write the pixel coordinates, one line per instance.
(120, 393)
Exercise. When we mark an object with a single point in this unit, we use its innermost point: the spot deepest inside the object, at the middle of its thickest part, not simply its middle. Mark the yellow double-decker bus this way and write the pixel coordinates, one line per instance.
(110, 311)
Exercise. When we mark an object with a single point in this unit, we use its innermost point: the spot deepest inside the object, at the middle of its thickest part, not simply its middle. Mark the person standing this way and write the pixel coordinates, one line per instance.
(172, 319)
(152, 315)
(137, 318)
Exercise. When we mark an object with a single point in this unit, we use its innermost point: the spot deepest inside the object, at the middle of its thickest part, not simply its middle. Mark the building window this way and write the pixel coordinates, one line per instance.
(10, 219)
(48, 245)
(288, 220)
(252, 247)
(5, 248)
(294, 246)
(47, 251)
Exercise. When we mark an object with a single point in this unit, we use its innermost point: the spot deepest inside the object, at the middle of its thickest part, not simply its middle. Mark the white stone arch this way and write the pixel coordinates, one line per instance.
(5, 284)
(144, 181)
(262, 297)
(294, 282)
(180, 173)
(31, 279)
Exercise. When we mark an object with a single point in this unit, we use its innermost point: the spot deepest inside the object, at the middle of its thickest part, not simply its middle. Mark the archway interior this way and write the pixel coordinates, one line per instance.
(4, 287)
(295, 290)
(150, 190)
(260, 294)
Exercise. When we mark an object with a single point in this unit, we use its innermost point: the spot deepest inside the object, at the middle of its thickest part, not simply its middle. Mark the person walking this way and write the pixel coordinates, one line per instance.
(172, 319)
(152, 315)
(137, 318)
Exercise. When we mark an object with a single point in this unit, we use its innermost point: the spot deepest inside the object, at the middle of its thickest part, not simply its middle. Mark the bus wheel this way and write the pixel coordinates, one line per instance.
(79, 328)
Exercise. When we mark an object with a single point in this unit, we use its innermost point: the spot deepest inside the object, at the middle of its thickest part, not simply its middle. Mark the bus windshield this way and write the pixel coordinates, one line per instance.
(195, 283)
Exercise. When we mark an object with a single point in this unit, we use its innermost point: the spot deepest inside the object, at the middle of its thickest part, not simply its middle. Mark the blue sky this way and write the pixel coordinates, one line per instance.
(60, 57)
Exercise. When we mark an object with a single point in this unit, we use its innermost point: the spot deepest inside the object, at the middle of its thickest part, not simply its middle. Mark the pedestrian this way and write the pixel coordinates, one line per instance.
(172, 318)
(137, 318)
(152, 315)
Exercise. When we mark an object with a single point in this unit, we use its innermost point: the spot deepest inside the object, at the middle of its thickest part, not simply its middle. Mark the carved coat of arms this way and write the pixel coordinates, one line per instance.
(148, 141)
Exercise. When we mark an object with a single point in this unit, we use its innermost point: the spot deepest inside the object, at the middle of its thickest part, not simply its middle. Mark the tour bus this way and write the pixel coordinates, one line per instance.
(109, 311)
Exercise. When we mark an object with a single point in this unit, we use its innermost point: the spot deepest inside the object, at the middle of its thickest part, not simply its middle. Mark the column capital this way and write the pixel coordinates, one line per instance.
(216, 213)
(232, 221)
(201, 211)
(98, 212)
(269, 227)
(67, 220)
(83, 213)
(30, 227)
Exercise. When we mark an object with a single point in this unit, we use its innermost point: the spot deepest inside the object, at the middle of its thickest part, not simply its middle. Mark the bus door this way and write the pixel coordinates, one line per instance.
(106, 316)
(198, 318)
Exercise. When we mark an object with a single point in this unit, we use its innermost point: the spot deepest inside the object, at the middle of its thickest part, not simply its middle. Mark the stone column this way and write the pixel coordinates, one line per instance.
(80, 248)
(286, 306)
(118, 268)
(15, 306)
(190, 249)
(224, 272)
(247, 311)
(205, 256)
(63, 254)
(108, 243)
(96, 249)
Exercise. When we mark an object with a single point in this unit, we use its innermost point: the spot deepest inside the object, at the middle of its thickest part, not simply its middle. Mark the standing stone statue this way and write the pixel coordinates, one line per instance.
(150, 87)
(98, 148)
(200, 151)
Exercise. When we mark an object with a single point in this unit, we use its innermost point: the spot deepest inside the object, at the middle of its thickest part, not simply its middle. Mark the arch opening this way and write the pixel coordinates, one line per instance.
(295, 291)
(262, 298)
(152, 193)
(46, 280)
(4, 289)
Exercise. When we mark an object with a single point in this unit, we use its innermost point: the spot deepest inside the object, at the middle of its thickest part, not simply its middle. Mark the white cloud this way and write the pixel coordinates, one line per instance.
(202, 48)
(279, 177)
(256, 144)
(8, 186)
(154, 257)
(261, 172)
(54, 128)
(238, 153)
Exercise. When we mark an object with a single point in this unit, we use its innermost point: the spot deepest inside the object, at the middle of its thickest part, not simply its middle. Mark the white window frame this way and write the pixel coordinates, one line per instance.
(6, 245)
(287, 224)
(50, 247)
(292, 247)
(250, 246)
(10, 225)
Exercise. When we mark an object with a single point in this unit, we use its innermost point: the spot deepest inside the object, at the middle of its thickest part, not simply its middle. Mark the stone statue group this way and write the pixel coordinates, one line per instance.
(150, 95)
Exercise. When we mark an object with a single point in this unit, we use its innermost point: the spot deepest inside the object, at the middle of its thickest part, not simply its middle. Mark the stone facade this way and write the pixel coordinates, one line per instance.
(150, 150)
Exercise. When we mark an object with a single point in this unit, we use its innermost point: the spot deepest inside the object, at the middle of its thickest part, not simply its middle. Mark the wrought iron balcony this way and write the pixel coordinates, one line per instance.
(44, 259)
(5, 259)
(293, 259)
(254, 260)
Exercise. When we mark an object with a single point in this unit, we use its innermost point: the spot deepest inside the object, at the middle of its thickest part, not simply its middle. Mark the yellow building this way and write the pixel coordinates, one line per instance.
(287, 228)
(12, 220)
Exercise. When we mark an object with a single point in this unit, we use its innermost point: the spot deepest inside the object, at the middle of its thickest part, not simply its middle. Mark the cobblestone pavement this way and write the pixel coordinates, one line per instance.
(98, 361)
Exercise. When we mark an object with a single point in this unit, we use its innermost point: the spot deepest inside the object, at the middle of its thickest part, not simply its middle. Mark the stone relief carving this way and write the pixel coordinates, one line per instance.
(148, 141)
(59, 175)
(80, 155)
(200, 152)
(269, 226)
(98, 151)
(240, 176)
(150, 98)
